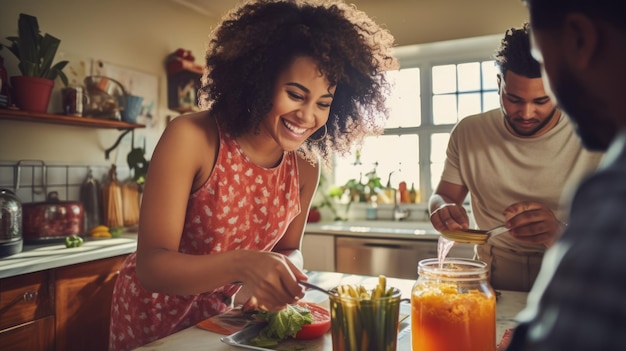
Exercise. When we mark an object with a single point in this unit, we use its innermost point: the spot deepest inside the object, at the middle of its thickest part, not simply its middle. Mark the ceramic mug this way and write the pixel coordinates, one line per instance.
(132, 108)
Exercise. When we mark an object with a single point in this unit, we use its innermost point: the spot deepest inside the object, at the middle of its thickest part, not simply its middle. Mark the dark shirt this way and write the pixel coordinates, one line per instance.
(579, 299)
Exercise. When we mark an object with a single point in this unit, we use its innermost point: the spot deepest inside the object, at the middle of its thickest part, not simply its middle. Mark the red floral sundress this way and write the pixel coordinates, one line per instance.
(241, 206)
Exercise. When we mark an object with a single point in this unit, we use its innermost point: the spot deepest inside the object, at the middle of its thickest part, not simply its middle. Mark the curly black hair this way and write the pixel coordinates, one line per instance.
(258, 40)
(514, 54)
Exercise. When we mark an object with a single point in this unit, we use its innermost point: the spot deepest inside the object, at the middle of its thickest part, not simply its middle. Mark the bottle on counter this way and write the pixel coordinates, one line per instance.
(371, 212)
(414, 195)
(405, 197)
(453, 306)
(90, 196)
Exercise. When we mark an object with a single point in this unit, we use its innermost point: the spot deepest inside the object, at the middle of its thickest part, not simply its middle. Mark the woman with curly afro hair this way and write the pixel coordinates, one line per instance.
(228, 190)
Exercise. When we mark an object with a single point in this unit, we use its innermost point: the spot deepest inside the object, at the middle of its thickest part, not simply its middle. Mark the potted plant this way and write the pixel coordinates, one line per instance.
(35, 53)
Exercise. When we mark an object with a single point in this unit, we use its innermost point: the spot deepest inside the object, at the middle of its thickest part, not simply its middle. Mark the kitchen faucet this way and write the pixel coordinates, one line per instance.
(398, 213)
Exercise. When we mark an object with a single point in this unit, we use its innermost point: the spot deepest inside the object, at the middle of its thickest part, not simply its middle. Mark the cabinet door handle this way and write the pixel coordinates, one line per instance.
(387, 246)
(30, 296)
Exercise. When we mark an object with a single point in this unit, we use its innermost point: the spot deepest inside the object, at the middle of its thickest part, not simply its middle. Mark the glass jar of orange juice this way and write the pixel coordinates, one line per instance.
(453, 307)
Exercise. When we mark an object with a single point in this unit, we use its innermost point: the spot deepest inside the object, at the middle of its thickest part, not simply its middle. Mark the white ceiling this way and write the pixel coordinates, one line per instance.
(416, 21)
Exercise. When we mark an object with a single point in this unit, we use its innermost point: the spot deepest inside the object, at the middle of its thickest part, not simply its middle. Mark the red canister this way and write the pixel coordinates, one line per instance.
(51, 220)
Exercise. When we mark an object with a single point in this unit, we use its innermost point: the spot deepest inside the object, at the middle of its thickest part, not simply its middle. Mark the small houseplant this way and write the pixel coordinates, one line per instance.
(35, 53)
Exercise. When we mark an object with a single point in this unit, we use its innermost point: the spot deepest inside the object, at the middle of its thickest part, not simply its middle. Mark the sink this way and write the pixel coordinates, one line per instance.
(399, 227)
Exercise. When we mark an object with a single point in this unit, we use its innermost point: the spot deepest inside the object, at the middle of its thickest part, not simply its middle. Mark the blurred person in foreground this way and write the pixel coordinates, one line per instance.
(229, 188)
(577, 302)
(518, 162)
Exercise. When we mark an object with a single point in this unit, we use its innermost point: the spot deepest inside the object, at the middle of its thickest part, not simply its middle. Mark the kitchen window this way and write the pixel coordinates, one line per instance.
(438, 85)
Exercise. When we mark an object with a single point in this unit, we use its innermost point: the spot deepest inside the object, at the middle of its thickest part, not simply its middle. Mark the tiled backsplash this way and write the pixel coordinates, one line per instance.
(37, 179)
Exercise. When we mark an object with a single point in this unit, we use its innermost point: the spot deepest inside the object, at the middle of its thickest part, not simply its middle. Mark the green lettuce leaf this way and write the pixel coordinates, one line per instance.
(281, 325)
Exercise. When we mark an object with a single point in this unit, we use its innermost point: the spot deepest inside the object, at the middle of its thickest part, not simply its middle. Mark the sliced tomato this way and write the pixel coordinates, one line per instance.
(320, 324)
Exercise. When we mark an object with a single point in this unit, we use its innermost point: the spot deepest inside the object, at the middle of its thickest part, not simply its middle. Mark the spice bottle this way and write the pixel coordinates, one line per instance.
(453, 307)
(414, 195)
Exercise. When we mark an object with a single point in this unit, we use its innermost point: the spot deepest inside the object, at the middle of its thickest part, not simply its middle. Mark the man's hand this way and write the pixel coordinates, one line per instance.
(449, 216)
(532, 222)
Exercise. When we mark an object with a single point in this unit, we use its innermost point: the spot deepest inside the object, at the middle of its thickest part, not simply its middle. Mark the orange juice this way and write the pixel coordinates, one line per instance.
(453, 308)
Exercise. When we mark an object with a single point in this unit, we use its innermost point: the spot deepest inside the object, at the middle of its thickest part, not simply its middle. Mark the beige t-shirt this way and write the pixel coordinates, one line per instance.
(500, 169)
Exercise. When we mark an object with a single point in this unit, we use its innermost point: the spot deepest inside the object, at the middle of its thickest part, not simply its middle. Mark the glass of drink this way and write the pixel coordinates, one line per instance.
(365, 321)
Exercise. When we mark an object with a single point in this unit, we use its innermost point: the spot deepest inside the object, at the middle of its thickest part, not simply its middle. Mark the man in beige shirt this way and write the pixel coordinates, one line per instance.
(519, 164)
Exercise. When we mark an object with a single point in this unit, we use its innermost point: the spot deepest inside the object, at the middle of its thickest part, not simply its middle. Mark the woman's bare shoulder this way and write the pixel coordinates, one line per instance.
(187, 141)
(309, 172)
(198, 124)
(192, 142)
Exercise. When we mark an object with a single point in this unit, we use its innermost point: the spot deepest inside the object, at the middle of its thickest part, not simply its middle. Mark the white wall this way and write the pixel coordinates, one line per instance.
(137, 34)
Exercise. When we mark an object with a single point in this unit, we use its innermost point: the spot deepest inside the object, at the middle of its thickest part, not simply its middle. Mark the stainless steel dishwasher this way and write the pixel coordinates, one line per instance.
(390, 257)
(375, 256)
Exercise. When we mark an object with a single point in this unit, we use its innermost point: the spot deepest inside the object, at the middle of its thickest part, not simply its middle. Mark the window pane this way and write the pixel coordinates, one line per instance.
(345, 169)
(469, 76)
(388, 153)
(444, 79)
(491, 100)
(404, 102)
(444, 109)
(436, 169)
(439, 144)
(469, 104)
(489, 75)
(458, 90)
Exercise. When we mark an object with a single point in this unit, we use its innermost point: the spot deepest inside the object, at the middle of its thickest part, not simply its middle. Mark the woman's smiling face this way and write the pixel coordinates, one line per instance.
(301, 104)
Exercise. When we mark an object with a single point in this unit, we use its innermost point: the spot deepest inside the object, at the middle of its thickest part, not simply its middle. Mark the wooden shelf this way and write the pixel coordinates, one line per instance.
(89, 122)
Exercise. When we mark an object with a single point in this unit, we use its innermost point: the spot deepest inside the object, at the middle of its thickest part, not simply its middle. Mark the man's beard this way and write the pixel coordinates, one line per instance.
(578, 102)
(509, 120)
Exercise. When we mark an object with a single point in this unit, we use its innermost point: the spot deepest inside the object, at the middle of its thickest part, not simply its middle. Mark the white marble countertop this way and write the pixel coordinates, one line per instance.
(195, 338)
(35, 258)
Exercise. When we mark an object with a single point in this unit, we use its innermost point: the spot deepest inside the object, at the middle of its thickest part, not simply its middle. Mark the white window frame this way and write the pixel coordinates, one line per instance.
(425, 57)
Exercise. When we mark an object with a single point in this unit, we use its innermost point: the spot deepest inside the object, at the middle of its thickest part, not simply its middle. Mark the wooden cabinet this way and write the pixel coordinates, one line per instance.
(62, 309)
(83, 302)
(33, 336)
(26, 312)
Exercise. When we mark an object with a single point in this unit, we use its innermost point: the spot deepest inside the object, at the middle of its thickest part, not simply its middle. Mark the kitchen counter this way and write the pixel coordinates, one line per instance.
(194, 338)
(376, 228)
(44, 256)
(40, 257)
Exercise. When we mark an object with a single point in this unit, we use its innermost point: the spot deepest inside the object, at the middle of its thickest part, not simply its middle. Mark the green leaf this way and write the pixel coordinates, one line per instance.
(49, 47)
(36, 52)
(282, 324)
(28, 39)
